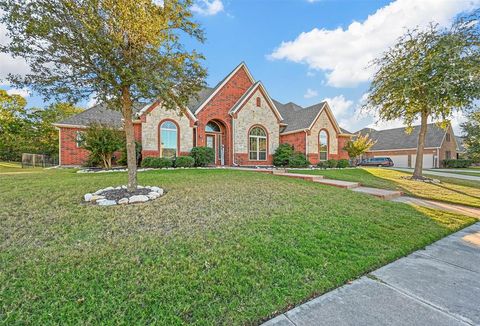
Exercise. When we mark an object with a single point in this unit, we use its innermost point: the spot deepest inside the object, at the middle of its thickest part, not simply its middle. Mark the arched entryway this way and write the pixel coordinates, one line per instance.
(215, 139)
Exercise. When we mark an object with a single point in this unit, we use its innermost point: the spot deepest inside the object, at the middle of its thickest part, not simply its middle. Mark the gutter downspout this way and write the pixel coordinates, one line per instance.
(306, 143)
(233, 142)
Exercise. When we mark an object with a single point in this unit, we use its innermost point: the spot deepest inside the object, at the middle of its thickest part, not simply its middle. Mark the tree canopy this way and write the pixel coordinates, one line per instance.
(428, 74)
(29, 130)
(471, 130)
(358, 146)
(120, 51)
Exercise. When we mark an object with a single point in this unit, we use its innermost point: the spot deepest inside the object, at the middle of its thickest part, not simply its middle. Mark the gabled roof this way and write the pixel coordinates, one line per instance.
(98, 114)
(296, 117)
(252, 89)
(200, 98)
(220, 85)
(397, 138)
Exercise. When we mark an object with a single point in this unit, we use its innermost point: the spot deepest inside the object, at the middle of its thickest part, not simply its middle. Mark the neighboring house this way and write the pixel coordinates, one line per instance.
(440, 144)
(237, 118)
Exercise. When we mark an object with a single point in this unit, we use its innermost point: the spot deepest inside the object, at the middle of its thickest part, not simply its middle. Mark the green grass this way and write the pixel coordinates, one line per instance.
(221, 247)
(450, 190)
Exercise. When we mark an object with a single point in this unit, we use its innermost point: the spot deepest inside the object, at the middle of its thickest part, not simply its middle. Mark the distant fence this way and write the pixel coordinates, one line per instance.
(38, 161)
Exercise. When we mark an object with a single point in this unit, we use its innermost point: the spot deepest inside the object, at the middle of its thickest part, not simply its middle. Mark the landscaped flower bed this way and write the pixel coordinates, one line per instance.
(121, 196)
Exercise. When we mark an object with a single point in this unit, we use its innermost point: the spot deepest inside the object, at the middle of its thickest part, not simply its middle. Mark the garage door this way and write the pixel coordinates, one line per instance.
(428, 162)
(399, 161)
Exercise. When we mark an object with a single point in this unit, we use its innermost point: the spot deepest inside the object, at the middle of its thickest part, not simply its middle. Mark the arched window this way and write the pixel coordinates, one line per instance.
(212, 127)
(323, 145)
(168, 139)
(257, 144)
(259, 101)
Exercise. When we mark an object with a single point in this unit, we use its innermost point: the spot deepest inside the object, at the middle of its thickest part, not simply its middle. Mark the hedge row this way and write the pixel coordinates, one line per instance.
(199, 156)
(341, 164)
(457, 163)
(163, 162)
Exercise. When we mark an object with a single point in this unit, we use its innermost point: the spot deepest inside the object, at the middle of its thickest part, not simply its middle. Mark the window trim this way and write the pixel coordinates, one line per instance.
(159, 134)
(328, 145)
(257, 140)
(78, 141)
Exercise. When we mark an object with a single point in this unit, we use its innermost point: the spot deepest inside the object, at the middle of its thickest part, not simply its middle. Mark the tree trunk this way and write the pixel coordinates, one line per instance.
(418, 172)
(130, 139)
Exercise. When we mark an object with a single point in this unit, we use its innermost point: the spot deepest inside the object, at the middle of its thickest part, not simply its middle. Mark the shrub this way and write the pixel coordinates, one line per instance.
(203, 156)
(123, 154)
(283, 154)
(157, 162)
(457, 163)
(92, 161)
(298, 160)
(332, 163)
(343, 163)
(102, 141)
(322, 165)
(184, 162)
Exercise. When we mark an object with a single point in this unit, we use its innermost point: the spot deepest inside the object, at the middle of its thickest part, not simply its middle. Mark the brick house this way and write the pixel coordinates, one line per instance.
(440, 144)
(237, 118)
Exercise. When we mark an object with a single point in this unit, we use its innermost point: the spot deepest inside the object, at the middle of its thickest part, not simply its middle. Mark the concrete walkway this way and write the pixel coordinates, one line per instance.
(443, 174)
(458, 170)
(436, 286)
(377, 192)
(459, 209)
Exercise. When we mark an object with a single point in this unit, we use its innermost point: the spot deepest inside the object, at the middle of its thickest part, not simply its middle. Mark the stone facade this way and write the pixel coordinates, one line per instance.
(251, 115)
(151, 129)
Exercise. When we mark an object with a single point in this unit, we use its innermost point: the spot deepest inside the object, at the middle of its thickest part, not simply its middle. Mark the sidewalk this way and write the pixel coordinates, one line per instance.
(436, 286)
(443, 174)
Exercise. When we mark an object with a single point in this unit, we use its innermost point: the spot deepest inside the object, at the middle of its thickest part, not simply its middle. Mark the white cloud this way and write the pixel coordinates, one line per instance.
(9, 65)
(24, 92)
(339, 105)
(310, 93)
(92, 101)
(344, 53)
(208, 7)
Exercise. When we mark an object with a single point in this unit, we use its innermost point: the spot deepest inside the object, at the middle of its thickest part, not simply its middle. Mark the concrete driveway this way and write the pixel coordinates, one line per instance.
(439, 285)
(443, 174)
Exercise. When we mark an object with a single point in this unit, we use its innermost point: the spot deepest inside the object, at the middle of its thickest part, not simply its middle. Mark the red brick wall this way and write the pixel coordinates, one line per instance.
(70, 154)
(242, 159)
(296, 139)
(218, 107)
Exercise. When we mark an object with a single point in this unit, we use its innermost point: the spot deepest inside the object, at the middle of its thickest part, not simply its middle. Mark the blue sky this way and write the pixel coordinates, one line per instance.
(305, 51)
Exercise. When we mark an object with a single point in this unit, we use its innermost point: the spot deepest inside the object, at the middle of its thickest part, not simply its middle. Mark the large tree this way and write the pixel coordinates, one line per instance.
(14, 125)
(44, 136)
(471, 131)
(428, 74)
(121, 51)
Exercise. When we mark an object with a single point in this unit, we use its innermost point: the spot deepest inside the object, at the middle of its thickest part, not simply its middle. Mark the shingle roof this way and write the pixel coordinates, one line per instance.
(201, 97)
(99, 114)
(296, 117)
(398, 139)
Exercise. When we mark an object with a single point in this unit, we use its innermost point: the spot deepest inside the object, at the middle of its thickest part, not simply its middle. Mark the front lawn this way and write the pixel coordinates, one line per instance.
(450, 190)
(221, 247)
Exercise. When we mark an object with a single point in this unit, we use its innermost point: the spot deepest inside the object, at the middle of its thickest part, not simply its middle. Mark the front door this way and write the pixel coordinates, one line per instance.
(214, 141)
(210, 143)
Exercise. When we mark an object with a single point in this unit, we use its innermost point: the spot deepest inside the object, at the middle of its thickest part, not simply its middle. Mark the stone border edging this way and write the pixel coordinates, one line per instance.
(99, 198)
